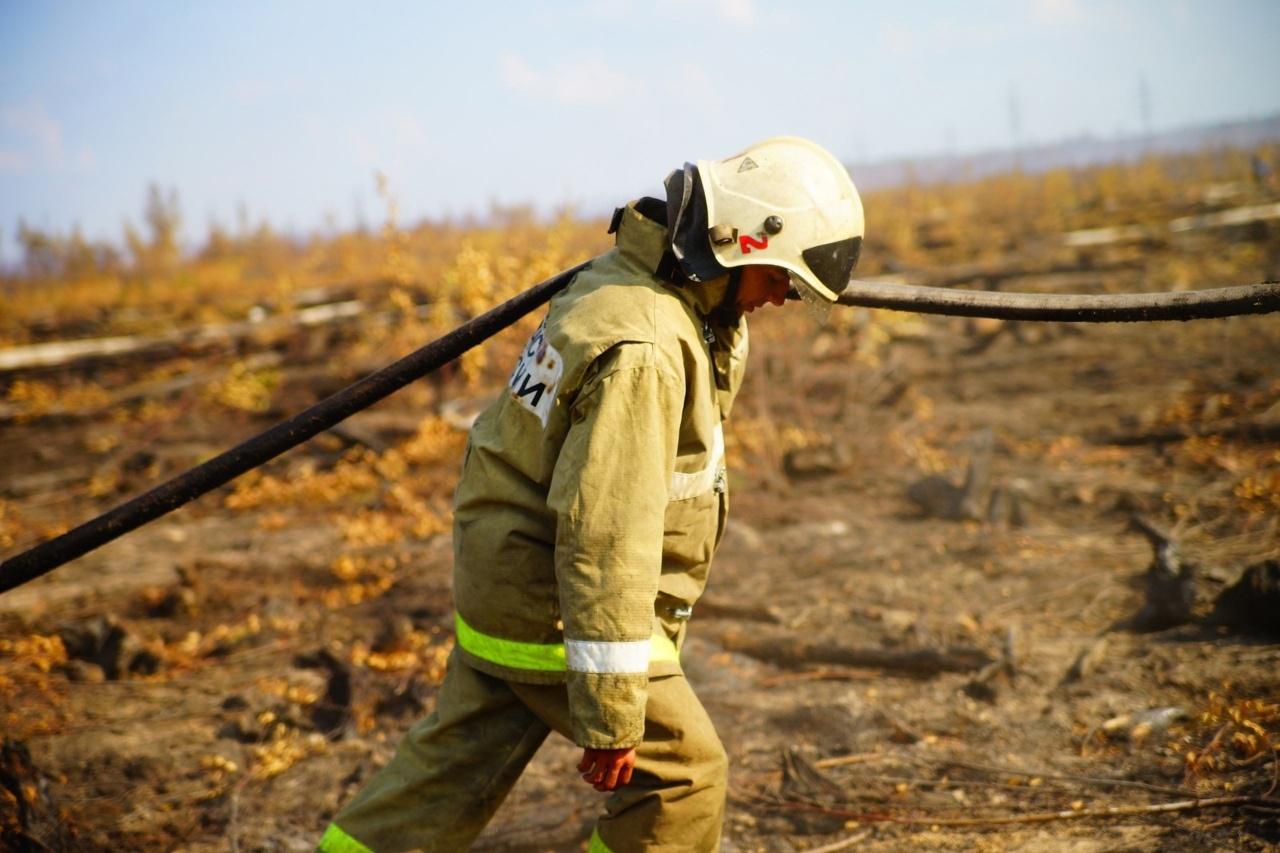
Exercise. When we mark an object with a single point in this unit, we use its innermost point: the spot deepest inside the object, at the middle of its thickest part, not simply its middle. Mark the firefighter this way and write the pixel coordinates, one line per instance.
(593, 494)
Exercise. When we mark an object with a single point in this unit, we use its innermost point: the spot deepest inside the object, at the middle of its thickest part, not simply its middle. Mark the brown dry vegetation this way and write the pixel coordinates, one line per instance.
(226, 677)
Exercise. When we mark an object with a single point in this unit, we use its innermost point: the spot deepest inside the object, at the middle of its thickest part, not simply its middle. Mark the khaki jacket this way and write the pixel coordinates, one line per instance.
(593, 491)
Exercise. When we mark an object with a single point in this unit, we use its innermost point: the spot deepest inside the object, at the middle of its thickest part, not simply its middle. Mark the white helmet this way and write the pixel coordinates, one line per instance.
(789, 203)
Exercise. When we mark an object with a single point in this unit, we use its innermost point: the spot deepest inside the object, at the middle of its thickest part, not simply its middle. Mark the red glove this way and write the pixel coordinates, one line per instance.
(607, 769)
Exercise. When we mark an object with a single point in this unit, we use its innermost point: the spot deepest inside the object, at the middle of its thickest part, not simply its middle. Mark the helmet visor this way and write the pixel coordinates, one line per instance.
(833, 263)
(819, 306)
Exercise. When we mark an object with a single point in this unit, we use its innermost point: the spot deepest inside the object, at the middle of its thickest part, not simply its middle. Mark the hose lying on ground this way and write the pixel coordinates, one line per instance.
(1111, 308)
(47, 556)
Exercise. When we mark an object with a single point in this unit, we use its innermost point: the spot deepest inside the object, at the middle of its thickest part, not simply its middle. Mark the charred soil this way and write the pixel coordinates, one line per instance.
(921, 631)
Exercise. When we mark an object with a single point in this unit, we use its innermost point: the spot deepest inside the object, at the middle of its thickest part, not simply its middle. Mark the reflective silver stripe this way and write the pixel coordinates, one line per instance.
(582, 656)
(685, 486)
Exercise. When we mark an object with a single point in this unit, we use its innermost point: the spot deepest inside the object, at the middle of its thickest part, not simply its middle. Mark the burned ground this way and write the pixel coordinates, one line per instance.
(885, 675)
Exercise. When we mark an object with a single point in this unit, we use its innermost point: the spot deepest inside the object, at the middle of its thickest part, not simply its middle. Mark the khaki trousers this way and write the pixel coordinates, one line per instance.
(455, 768)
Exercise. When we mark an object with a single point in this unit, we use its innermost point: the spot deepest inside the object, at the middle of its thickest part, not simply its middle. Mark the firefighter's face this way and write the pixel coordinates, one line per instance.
(761, 285)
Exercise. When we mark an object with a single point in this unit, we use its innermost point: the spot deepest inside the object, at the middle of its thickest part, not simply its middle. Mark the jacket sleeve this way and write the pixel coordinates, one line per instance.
(609, 492)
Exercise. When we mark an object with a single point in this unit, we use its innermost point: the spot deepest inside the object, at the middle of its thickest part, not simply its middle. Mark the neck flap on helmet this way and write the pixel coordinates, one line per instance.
(687, 225)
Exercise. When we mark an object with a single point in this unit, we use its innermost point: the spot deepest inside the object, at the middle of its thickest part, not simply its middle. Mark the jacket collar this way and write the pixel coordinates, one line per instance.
(645, 241)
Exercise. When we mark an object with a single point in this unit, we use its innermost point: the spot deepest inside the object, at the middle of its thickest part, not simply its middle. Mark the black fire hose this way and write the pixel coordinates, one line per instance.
(1112, 308)
(45, 557)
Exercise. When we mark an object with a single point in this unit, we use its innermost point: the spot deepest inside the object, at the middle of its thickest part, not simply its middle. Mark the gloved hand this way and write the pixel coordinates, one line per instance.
(607, 769)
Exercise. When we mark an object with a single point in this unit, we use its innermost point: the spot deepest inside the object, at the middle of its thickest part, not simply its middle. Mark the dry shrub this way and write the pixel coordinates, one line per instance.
(287, 747)
(419, 653)
(361, 578)
(243, 388)
(31, 693)
(35, 651)
(10, 525)
(1229, 734)
(217, 772)
(926, 451)
(405, 490)
(295, 694)
(354, 476)
(33, 398)
(1254, 467)
(19, 528)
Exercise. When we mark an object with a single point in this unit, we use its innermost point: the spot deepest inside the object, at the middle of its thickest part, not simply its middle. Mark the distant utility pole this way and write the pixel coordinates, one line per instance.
(1015, 126)
(1144, 106)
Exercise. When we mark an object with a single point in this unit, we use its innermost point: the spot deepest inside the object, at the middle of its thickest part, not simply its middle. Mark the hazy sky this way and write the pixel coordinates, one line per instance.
(288, 108)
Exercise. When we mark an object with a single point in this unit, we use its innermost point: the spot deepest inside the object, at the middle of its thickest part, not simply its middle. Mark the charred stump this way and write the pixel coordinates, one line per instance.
(1170, 582)
(30, 821)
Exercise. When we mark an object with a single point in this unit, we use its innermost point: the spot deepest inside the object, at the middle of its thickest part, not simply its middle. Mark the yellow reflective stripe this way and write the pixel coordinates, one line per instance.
(661, 648)
(335, 840)
(598, 846)
(543, 657)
